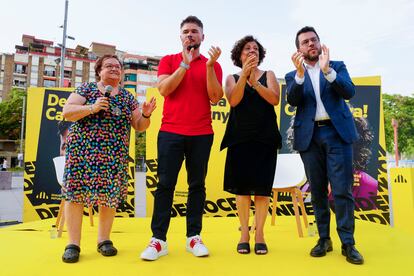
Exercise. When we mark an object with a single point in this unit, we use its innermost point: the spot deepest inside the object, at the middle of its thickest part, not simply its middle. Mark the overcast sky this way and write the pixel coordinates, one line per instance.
(372, 37)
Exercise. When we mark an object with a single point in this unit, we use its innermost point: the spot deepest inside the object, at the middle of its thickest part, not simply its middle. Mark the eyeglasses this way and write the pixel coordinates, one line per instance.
(306, 41)
(112, 66)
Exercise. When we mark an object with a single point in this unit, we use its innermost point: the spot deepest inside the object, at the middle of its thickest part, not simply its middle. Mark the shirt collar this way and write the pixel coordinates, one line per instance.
(310, 67)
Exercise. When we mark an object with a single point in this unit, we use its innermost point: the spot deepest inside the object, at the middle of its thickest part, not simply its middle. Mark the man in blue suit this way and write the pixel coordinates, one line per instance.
(324, 131)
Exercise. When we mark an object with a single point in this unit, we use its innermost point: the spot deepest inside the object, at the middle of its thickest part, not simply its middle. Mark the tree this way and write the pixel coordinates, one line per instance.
(400, 108)
(140, 147)
(11, 114)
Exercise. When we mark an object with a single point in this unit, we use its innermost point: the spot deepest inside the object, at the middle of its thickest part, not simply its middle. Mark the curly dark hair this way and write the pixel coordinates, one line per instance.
(238, 48)
(99, 62)
(362, 147)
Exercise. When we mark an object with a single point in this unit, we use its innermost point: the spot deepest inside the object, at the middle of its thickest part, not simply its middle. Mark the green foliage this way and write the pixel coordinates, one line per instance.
(11, 114)
(400, 108)
(140, 147)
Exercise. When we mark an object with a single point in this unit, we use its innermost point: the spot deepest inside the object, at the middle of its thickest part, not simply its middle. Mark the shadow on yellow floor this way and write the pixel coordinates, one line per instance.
(27, 249)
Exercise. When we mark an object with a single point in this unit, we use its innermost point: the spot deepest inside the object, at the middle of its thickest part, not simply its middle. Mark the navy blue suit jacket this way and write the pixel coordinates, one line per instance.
(333, 96)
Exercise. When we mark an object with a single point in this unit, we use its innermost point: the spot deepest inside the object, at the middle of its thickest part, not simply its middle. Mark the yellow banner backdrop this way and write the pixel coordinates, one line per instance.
(218, 202)
(44, 135)
(370, 185)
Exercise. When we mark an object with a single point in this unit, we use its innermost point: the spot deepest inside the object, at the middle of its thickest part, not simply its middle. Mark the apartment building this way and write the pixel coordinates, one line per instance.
(37, 63)
(140, 73)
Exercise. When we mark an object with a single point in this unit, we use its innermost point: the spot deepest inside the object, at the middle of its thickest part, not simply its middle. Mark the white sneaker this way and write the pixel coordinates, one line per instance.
(195, 245)
(154, 250)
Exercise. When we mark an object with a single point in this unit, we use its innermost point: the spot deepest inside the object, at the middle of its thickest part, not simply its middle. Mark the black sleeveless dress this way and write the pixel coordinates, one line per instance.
(252, 138)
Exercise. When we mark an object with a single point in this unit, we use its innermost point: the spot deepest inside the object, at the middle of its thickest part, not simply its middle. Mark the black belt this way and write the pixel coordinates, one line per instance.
(322, 123)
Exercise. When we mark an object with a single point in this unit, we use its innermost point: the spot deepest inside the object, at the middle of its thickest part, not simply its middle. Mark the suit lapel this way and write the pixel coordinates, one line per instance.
(322, 83)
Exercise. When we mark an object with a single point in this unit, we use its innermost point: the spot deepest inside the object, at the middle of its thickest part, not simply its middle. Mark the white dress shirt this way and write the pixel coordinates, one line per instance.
(314, 73)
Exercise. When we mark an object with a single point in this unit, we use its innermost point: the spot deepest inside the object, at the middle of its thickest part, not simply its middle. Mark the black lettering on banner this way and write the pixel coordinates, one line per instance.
(222, 207)
(181, 209)
(382, 184)
(126, 208)
(382, 159)
(232, 202)
(382, 170)
(222, 102)
(47, 213)
(376, 218)
(131, 174)
(382, 218)
(30, 167)
(289, 110)
(287, 209)
(152, 181)
(43, 213)
(364, 204)
(283, 210)
(309, 208)
(152, 165)
(28, 184)
(220, 116)
(386, 216)
(86, 212)
(174, 213)
(211, 207)
(381, 202)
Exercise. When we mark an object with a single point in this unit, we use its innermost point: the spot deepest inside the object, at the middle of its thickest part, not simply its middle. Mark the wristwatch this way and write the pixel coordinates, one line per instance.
(184, 65)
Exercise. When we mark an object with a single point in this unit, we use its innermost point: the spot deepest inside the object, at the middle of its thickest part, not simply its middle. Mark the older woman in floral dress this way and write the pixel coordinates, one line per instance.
(96, 169)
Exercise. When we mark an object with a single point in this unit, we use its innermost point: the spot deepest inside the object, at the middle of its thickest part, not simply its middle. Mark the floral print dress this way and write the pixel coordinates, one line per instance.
(96, 168)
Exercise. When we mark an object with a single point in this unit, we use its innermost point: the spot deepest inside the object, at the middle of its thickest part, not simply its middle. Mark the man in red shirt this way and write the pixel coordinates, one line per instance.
(189, 82)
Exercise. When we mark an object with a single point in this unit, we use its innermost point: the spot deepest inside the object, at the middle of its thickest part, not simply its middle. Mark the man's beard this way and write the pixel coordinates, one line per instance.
(313, 58)
(195, 47)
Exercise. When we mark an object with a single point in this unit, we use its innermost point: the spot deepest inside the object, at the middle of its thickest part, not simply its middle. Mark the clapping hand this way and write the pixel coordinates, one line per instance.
(324, 59)
(248, 65)
(214, 54)
(297, 59)
(187, 54)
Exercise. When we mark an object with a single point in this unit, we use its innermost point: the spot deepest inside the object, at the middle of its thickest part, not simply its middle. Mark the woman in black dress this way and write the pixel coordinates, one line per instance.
(252, 138)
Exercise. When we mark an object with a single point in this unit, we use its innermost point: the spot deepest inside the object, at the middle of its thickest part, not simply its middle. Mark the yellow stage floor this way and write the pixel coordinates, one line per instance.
(27, 249)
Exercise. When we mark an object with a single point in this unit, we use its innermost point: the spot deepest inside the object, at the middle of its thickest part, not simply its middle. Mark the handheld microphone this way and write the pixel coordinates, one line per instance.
(107, 93)
(108, 90)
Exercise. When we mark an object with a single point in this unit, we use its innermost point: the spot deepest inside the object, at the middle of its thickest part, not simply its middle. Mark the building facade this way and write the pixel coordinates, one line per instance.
(36, 63)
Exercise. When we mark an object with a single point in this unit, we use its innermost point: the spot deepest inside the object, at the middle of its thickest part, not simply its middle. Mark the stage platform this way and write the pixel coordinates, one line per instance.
(27, 249)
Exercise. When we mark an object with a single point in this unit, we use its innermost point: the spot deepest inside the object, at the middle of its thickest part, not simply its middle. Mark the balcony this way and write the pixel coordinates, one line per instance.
(49, 73)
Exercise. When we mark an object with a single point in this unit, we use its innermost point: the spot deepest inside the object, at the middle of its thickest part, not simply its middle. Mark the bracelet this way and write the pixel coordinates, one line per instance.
(145, 116)
(184, 65)
(91, 109)
(257, 84)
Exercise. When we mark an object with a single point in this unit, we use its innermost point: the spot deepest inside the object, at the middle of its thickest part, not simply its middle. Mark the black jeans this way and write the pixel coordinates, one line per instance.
(172, 150)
